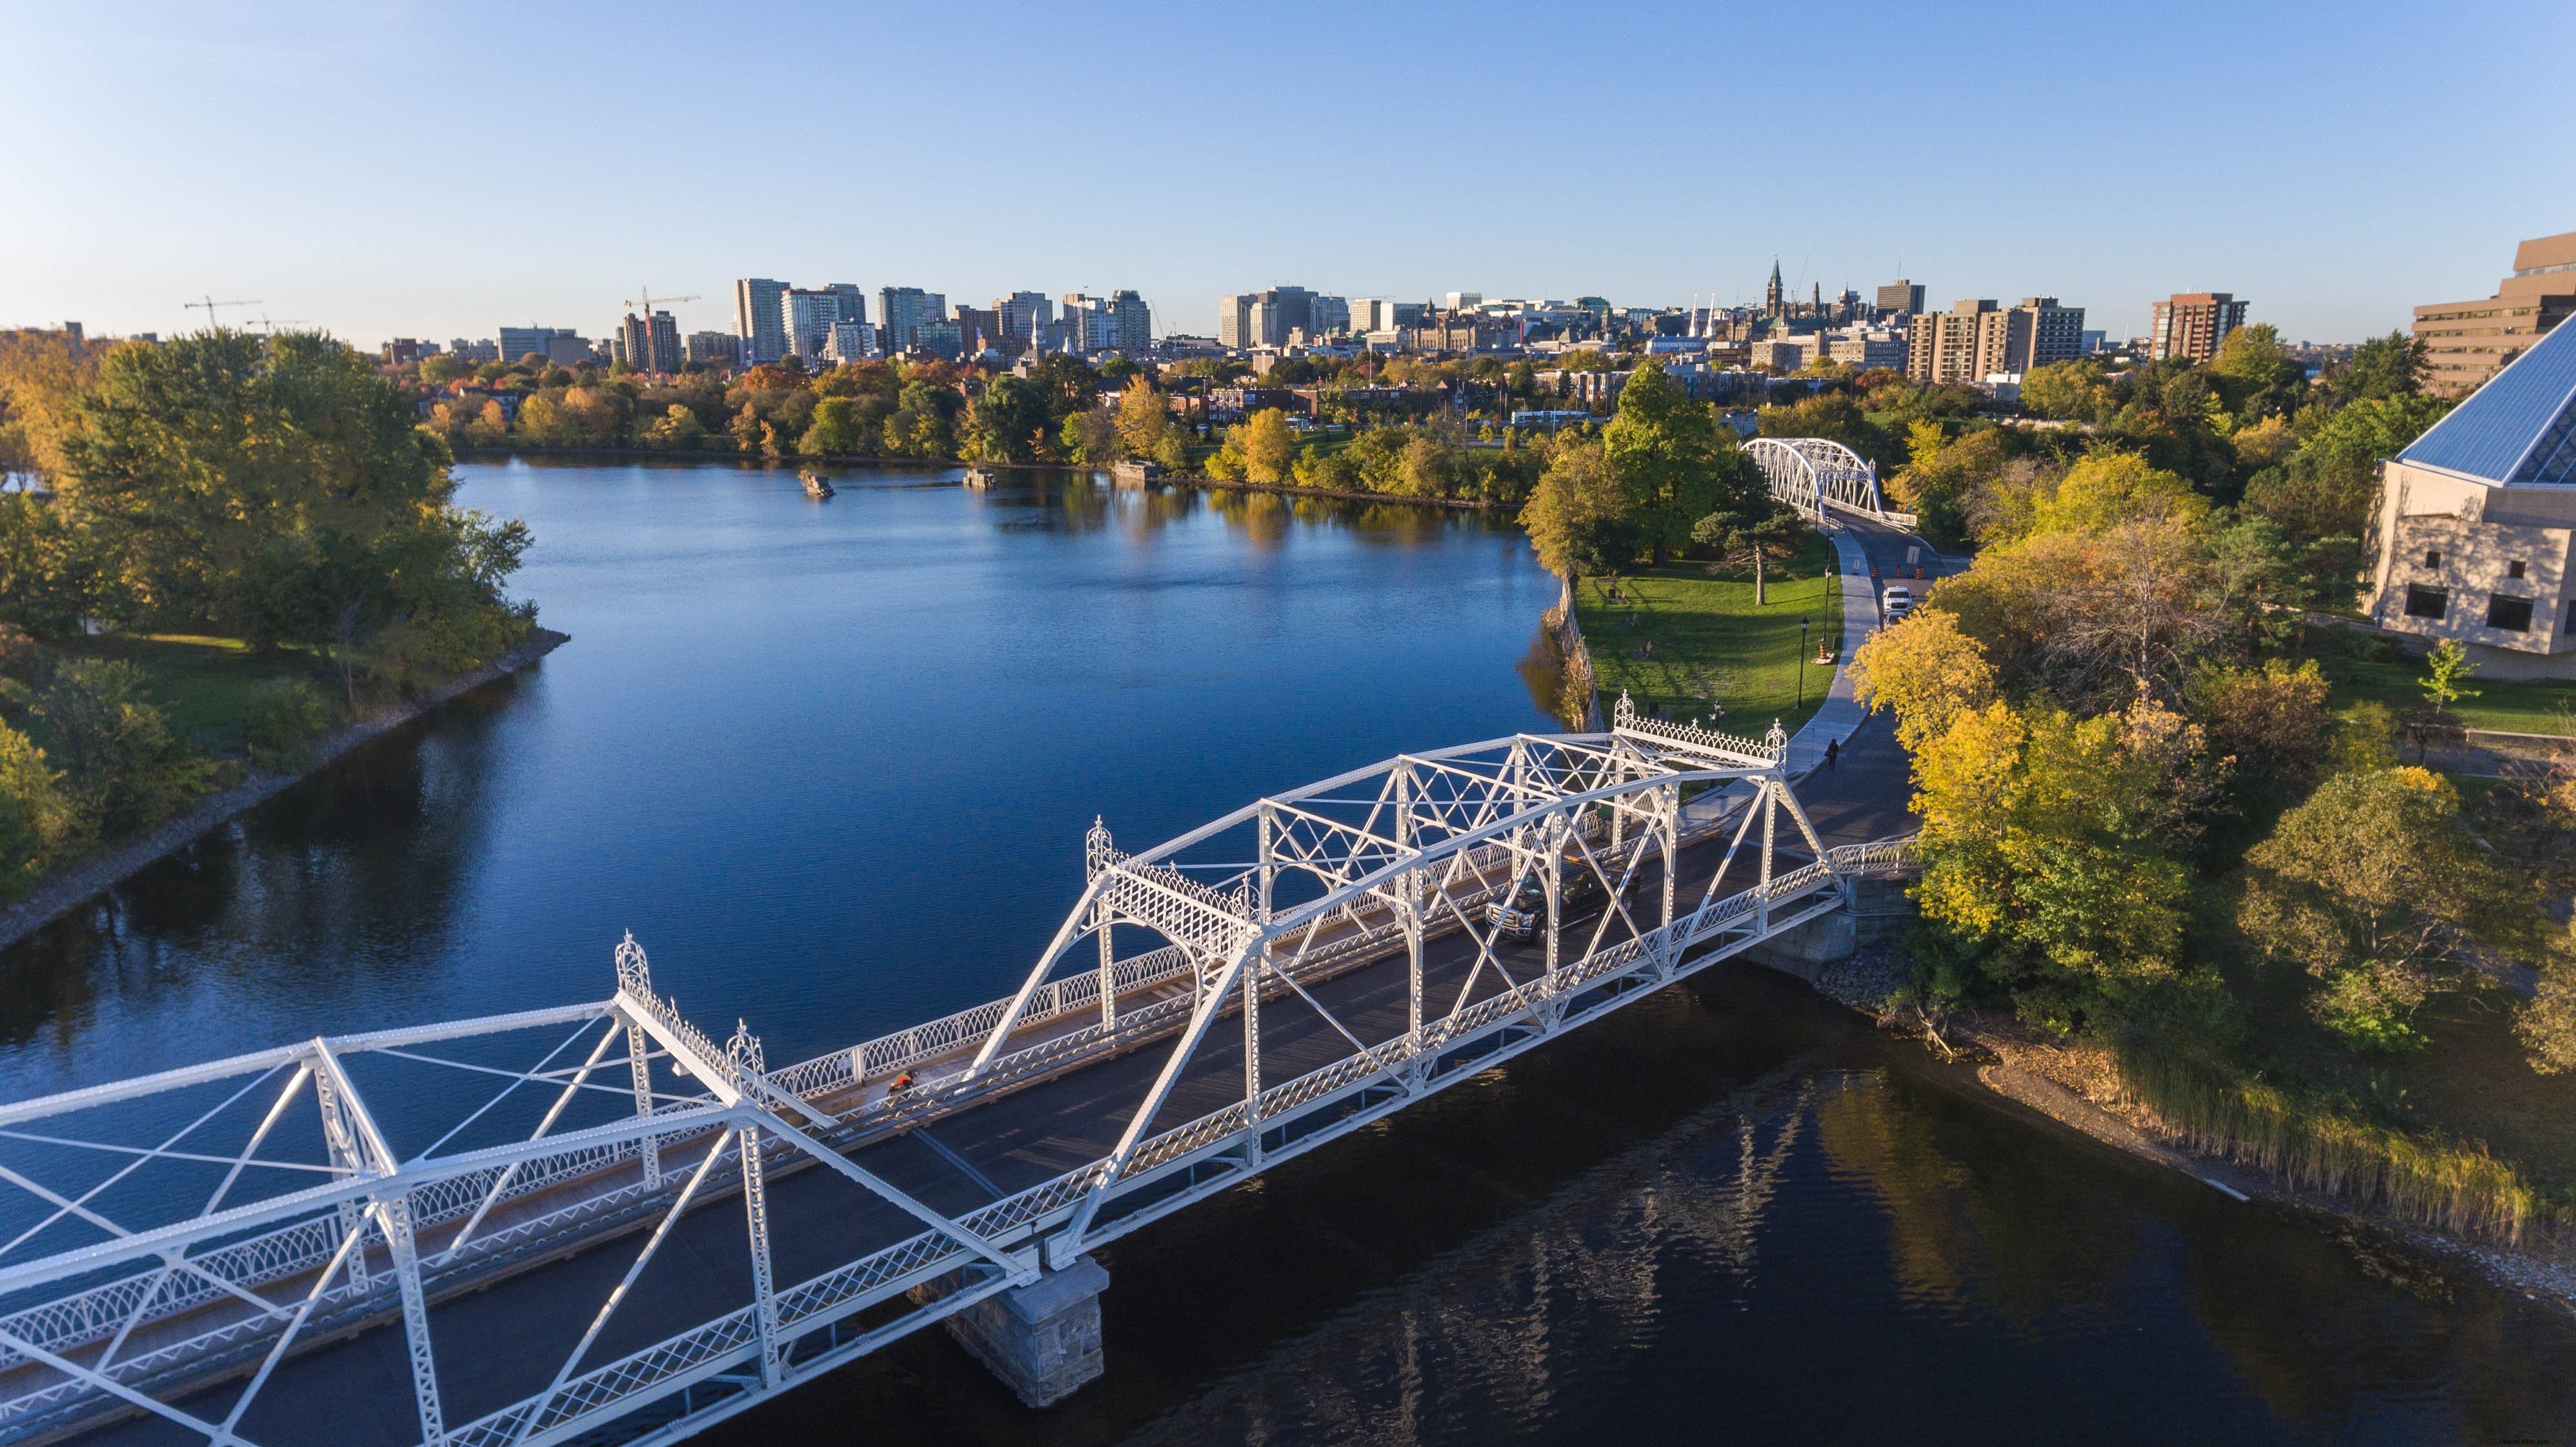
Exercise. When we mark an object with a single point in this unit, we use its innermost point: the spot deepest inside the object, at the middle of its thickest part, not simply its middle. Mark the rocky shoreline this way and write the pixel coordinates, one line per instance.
(2069, 1087)
(68, 888)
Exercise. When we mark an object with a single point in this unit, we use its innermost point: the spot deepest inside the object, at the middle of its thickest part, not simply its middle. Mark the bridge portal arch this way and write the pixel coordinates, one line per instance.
(1812, 474)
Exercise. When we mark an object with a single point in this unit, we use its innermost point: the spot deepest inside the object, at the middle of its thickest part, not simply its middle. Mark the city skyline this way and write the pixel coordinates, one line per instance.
(374, 180)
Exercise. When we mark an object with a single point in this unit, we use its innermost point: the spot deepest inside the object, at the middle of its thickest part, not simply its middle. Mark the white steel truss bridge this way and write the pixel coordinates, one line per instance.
(1812, 474)
(596, 1222)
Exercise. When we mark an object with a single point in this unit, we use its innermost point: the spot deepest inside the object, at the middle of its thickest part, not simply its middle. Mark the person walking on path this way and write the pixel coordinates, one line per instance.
(1833, 748)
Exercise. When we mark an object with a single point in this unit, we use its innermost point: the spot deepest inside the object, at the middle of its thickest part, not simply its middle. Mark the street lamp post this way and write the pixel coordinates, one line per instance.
(1802, 661)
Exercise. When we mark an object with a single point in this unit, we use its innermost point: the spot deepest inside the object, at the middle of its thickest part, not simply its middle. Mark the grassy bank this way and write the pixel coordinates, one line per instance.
(1709, 642)
(203, 685)
(2523, 708)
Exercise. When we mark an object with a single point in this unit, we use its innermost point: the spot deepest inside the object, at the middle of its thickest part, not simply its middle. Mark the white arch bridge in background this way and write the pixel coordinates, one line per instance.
(1812, 474)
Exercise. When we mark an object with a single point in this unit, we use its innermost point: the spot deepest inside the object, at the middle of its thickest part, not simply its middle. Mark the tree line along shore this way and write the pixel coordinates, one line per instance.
(215, 553)
(2195, 843)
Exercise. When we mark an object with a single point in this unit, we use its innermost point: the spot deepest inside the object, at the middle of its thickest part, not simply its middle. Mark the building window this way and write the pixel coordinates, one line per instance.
(2513, 615)
(2433, 559)
(2513, 570)
(2423, 602)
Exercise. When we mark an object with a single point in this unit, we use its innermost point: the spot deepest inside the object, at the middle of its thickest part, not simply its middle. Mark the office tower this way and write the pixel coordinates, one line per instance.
(2465, 342)
(1264, 318)
(1465, 301)
(1327, 315)
(854, 302)
(758, 320)
(1900, 295)
(1135, 321)
(1089, 326)
(940, 338)
(980, 326)
(1025, 315)
(2191, 324)
(559, 345)
(901, 313)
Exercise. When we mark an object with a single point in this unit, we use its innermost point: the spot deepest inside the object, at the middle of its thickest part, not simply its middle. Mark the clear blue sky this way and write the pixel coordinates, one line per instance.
(389, 169)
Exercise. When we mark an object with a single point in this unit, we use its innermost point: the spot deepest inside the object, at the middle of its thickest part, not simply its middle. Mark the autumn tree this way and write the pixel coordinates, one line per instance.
(1143, 420)
(1577, 518)
(2376, 888)
(1268, 447)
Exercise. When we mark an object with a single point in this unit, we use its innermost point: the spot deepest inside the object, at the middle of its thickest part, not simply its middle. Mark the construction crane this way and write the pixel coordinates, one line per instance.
(209, 304)
(270, 325)
(647, 302)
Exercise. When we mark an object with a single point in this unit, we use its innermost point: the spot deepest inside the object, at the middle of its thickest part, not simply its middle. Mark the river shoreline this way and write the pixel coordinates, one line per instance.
(1168, 479)
(67, 889)
(2047, 1082)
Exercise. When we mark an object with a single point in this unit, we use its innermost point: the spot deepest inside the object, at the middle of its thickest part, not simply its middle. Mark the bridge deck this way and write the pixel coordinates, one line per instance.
(955, 1156)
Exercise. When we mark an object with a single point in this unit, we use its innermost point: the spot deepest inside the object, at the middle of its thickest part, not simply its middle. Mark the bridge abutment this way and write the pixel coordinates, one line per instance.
(1042, 1339)
(1875, 910)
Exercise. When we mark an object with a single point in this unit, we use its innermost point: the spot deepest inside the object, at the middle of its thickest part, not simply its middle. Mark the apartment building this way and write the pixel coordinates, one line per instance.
(806, 317)
(2191, 324)
(722, 348)
(2465, 342)
(650, 343)
(1977, 339)
(758, 319)
(2474, 537)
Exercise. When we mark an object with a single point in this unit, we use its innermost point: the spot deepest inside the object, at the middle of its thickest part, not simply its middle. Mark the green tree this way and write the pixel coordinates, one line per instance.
(275, 489)
(2389, 366)
(1770, 534)
(124, 768)
(1006, 423)
(36, 821)
(1090, 438)
(2377, 889)
(2447, 668)
(1577, 518)
(2255, 374)
(2325, 489)
(1676, 462)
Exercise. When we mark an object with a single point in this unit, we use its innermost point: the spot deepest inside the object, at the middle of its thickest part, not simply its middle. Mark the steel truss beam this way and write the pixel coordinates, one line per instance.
(301, 1243)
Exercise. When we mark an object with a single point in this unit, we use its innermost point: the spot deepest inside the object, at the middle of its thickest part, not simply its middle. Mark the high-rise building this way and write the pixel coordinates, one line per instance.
(1465, 301)
(940, 339)
(721, 348)
(1135, 321)
(850, 341)
(1975, 340)
(1088, 326)
(650, 343)
(758, 320)
(1024, 315)
(902, 311)
(1943, 346)
(1263, 318)
(1326, 315)
(854, 302)
(806, 317)
(2465, 342)
(2039, 332)
(2191, 324)
(560, 345)
(980, 326)
(1900, 295)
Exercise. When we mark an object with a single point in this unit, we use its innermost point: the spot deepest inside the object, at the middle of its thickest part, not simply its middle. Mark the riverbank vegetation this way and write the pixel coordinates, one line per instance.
(224, 546)
(2162, 816)
(1648, 516)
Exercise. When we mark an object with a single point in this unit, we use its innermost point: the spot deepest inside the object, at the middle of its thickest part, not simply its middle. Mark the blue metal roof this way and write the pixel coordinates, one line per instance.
(2520, 428)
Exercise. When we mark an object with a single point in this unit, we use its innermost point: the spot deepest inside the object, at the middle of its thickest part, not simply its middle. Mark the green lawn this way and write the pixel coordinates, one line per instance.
(1708, 638)
(203, 684)
(2522, 708)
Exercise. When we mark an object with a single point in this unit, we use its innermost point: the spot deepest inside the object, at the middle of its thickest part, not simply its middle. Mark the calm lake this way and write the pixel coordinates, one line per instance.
(832, 761)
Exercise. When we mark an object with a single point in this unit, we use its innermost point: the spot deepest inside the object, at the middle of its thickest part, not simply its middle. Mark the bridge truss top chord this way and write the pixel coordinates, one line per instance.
(1812, 474)
(209, 1246)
